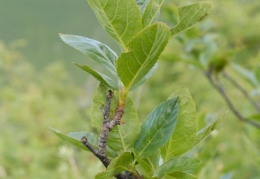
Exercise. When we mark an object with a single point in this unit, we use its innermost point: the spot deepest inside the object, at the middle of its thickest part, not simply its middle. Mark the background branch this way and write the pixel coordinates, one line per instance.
(243, 91)
(218, 86)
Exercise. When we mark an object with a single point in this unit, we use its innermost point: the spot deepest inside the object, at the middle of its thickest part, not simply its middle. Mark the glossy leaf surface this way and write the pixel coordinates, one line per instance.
(157, 128)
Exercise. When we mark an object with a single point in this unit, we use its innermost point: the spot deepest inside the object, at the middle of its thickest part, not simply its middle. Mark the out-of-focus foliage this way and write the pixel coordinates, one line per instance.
(30, 102)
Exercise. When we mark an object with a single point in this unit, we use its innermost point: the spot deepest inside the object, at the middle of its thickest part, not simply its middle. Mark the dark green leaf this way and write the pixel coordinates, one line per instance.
(99, 76)
(121, 19)
(157, 128)
(144, 52)
(185, 132)
(119, 164)
(181, 164)
(190, 15)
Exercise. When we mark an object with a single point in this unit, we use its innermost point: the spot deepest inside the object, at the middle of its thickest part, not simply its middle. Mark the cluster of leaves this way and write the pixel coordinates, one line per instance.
(157, 147)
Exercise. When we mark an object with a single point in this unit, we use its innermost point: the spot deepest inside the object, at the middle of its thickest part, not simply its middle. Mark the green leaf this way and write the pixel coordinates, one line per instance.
(122, 137)
(146, 165)
(157, 128)
(257, 73)
(151, 12)
(69, 139)
(181, 164)
(190, 15)
(145, 50)
(99, 76)
(205, 132)
(121, 19)
(247, 74)
(181, 175)
(146, 77)
(95, 50)
(185, 132)
(149, 177)
(119, 164)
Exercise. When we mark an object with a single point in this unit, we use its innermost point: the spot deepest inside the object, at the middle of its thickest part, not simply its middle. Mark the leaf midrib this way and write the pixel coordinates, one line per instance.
(158, 9)
(145, 62)
(157, 131)
(113, 28)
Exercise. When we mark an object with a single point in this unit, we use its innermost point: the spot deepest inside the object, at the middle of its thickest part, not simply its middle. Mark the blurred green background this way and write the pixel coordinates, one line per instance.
(39, 87)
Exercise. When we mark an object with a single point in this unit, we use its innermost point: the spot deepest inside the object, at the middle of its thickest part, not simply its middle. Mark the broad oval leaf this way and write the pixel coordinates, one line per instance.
(95, 50)
(181, 164)
(122, 137)
(119, 164)
(152, 12)
(157, 128)
(99, 76)
(121, 19)
(190, 15)
(184, 134)
(145, 50)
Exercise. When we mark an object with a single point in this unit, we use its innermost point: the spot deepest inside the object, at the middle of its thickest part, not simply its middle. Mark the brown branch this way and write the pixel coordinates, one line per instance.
(243, 91)
(107, 126)
(102, 158)
(218, 86)
(105, 130)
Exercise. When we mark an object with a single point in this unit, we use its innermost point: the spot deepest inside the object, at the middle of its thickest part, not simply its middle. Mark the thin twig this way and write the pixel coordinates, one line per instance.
(102, 158)
(105, 130)
(243, 91)
(107, 126)
(218, 86)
